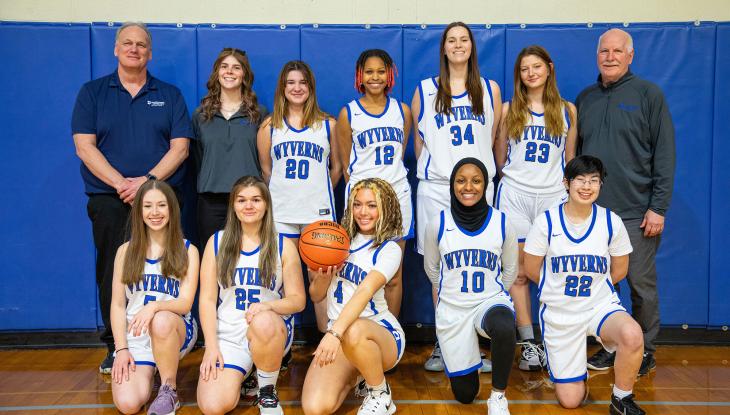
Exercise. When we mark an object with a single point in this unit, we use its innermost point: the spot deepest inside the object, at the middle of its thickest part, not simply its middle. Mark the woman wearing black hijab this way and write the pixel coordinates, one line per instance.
(470, 255)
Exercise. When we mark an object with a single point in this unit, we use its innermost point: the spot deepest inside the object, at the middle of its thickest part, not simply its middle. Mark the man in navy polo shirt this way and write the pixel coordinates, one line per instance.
(128, 127)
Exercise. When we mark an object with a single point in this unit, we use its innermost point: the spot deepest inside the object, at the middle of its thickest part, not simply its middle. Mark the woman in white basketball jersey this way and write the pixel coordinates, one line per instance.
(456, 116)
(372, 132)
(299, 157)
(250, 285)
(363, 337)
(471, 257)
(537, 136)
(576, 252)
(155, 279)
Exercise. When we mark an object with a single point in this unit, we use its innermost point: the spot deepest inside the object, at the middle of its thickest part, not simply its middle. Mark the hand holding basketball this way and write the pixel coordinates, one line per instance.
(324, 244)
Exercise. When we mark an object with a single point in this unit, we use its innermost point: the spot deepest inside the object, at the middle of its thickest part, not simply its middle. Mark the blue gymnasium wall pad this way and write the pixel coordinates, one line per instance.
(719, 307)
(680, 58)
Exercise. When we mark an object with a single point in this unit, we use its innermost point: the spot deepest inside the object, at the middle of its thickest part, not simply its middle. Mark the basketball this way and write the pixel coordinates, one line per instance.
(323, 244)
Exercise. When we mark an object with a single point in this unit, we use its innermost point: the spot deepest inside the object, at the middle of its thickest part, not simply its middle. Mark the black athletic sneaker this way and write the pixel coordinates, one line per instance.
(647, 364)
(625, 406)
(250, 386)
(601, 360)
(106, 365)
(268, 401)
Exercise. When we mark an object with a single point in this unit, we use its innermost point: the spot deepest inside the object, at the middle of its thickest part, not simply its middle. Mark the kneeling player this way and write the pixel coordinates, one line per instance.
(470, 255)
(575, 252)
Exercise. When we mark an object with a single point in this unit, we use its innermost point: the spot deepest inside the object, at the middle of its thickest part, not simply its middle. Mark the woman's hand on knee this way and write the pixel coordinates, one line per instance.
(327, 350)
(211, 364)
(254, 309)
(123, 363)
(140, 323)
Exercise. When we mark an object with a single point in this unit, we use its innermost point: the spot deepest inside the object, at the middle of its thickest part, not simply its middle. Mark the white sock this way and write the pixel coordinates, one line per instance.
(267, 378)
(620, 394)
(383, 387)
(496, 394)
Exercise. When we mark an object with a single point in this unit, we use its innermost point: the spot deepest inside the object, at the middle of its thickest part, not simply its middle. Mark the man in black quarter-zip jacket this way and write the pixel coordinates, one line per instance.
(625, 121)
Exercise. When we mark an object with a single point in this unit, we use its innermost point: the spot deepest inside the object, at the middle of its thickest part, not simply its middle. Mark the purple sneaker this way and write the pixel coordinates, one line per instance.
(166, 402)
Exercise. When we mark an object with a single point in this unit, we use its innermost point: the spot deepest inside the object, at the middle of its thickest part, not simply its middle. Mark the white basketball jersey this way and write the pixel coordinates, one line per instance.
(377, 143)
(245, 289)
(363, 258)
(300, 185)
(449, 138)
(471, 262)
(576, 274)
(152, 287)
(535, 163)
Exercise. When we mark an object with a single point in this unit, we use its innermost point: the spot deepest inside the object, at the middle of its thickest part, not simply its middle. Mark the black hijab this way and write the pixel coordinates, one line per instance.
(470, 218)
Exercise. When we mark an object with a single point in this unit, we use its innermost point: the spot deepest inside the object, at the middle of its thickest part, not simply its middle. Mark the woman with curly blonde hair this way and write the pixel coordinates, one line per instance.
(363, 337)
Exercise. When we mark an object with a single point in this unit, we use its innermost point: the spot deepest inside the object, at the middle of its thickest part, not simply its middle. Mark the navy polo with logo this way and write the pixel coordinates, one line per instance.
(133, 133)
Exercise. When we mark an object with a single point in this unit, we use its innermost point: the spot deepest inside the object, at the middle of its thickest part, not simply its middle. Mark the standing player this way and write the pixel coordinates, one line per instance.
(576, 252)
(537, 136)
(471, 256)
(456, 114)
(298, 158)
(363, 336)
(155, 279)
(372, 132)
(250, 284)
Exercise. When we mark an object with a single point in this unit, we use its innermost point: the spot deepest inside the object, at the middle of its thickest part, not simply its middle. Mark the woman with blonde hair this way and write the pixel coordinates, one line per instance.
(250, 285)
(155, 279)
(362, 337)
(537, 137)
(299, 158)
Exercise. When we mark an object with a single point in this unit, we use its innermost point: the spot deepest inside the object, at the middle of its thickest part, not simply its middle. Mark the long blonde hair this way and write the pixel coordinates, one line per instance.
(230, 245)
(313, 116)
(519, 114)
(174, 255)
(389, 225)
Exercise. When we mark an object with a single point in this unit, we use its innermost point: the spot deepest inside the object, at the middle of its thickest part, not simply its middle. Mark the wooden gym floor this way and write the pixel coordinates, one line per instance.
(688, 380)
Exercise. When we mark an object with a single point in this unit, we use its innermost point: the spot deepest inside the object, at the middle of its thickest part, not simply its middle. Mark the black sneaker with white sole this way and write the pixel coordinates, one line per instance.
(601, 360)
(106, 365)
(647, 364)
(625, 406)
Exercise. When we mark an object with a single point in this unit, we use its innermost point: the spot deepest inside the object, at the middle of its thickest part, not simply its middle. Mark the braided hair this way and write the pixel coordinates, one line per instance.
(389, 225)
(390, 68)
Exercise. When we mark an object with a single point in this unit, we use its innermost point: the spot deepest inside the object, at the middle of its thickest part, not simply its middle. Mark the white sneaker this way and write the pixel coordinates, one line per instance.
(377, 403)
(532, 357)
(497, 406)
(486, 365)
(435, 363)
(361, 388)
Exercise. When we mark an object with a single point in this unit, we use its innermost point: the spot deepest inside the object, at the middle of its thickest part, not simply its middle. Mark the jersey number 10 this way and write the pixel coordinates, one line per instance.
(477, 282)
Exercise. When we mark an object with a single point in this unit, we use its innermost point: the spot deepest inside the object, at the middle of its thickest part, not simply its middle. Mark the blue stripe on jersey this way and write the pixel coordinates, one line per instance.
(238, 368)
(281, 244)
(255, 251)
(327, 125)
(329, 190)
(152, 261)
(463, 372)
(496, 279)
(509, 152)
(188, 332)
(395, 334)
(215, 242)
(603, 320)
(420, 95)
(187, 244)
(567, 116)
(366, 244)
(537, 114)
(294, 129)
(565, 229)
(428, 162)
(504, 219)
(499, 194)
(352, 163)
(377, 251)
(145, 363)
(521, 240)
(441, 280)
(489, 89)
(610, 225)
(608, 281)
(480, 230)
(543, 274)
(349, 115)
(385, 110)
(441, 225)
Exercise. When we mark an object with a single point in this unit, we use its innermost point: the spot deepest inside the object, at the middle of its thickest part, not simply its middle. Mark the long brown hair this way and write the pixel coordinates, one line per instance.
(229, 248)
(519, 114)
(313, 116)
(174, 255)
(211, 103)
(473, 79)
(389, 225)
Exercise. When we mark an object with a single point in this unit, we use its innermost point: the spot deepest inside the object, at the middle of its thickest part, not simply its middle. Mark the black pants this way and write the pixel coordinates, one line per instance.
(109, 223)
(212, 210)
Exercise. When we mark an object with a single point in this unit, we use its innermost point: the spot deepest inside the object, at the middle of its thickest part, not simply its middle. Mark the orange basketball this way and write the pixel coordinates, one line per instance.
(324, 243)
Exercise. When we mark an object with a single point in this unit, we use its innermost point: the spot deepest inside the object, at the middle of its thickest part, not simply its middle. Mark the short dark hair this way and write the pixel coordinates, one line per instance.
(583, 165)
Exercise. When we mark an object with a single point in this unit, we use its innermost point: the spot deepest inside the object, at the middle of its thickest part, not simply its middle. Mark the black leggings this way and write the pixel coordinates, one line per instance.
(499, 324)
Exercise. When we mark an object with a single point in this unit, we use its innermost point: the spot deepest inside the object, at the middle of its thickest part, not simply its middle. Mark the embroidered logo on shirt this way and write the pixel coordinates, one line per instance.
(628, 107)
(156, 103)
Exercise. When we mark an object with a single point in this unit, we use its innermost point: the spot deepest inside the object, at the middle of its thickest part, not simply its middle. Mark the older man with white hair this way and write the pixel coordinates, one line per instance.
(624, 120)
